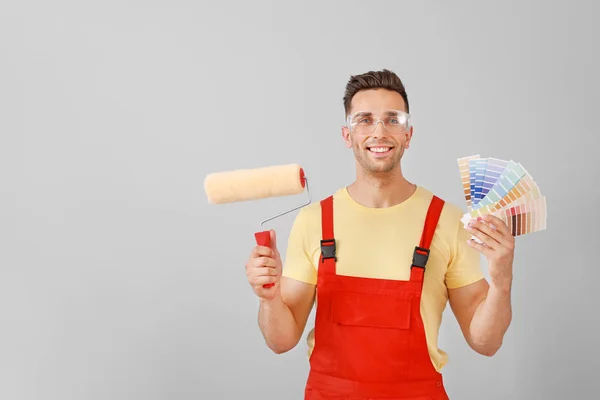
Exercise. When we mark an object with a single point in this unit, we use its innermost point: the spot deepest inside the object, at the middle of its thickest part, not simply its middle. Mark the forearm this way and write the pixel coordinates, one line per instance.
(491, 320)
(277, 324)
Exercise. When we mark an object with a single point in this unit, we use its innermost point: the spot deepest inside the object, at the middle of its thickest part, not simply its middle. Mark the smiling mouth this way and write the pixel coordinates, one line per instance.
(379, 149)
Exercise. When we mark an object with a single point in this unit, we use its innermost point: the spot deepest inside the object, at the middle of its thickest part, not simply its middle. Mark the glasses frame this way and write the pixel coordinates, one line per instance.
(351, 125)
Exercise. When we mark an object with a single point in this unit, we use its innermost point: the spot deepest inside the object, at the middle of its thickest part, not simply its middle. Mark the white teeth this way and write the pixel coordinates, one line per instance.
(379, 149)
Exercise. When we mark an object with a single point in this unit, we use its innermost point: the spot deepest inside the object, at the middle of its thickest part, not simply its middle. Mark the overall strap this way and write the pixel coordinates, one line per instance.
(421, 253)
(328, 248)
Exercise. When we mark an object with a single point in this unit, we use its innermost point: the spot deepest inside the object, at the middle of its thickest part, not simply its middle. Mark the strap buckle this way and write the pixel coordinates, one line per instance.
(419, 259)
(328, 249)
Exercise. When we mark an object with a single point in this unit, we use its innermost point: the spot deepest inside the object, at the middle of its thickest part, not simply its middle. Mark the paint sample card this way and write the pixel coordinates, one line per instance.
(510, 175)
(525, 218)
(480, 168)
(504, 189)
(493, 172)
(465, 177)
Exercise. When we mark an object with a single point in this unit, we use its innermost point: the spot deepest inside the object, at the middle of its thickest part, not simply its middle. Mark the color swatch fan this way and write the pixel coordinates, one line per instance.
(504, 189)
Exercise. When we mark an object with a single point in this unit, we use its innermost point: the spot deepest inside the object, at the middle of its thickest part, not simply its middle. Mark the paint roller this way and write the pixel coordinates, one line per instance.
(258, 183)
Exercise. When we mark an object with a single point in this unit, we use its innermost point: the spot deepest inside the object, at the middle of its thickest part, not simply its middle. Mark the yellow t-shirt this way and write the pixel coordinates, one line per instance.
(379, 243)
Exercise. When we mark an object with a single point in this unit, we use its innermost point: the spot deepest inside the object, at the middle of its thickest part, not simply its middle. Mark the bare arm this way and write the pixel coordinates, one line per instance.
(484, 311)
(284, 308)
(484, 314)
(282, 319)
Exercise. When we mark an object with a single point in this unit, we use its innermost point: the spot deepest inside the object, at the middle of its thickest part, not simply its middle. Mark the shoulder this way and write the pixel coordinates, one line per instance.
(311, 213)
(308, 220)
(450, 210)
(450, 216)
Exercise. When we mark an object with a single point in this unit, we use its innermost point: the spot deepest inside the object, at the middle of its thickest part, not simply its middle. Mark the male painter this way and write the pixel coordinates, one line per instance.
(380, 259)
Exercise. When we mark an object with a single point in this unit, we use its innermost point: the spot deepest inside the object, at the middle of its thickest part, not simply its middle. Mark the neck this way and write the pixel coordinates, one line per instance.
(381, 190)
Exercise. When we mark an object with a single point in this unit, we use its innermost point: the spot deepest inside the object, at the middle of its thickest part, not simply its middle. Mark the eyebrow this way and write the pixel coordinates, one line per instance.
(369, 113)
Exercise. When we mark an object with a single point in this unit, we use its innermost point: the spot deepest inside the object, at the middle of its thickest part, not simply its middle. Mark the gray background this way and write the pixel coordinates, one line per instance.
(119, 281)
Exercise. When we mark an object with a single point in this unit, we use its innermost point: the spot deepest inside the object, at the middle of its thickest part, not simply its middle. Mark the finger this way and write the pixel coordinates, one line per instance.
(259, 264)
(263, 262)
(501, 232)
(259, 281)
(479, 247)
(484, 232)
(489, 242)
(262, 251)
(499, 224)
(264, 271)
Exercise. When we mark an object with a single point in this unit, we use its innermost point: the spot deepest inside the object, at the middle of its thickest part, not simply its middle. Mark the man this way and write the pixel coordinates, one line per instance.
(380, 258)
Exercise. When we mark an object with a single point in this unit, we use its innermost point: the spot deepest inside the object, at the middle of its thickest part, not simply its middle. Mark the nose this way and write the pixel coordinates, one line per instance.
(378, 131)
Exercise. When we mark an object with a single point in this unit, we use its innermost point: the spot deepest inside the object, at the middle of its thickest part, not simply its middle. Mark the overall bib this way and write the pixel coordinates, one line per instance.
(369, 335)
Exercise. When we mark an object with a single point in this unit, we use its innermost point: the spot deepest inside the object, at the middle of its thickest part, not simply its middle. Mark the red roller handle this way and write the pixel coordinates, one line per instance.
(264, 239)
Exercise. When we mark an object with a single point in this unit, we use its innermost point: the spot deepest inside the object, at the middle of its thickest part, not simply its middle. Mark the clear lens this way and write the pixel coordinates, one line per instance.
(365, 122)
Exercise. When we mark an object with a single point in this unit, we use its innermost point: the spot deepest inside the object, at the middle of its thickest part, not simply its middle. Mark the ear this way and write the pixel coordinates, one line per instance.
(346, 137)
(408, 138)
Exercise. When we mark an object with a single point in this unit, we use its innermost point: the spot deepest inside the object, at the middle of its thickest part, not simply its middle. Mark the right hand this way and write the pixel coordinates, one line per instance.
(264, 266)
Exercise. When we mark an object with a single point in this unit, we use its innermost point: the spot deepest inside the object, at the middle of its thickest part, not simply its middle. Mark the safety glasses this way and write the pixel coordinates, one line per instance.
(364, 122)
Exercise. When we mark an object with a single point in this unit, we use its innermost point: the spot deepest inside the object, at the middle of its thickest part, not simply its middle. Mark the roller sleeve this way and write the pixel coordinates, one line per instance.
(251, 184)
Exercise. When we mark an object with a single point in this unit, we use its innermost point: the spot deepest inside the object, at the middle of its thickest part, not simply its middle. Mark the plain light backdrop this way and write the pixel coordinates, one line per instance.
(119, 281)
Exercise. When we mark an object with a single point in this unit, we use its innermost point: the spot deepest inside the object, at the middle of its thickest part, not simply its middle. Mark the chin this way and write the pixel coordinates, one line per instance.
(379, 165)
(377, 162)
(381, 168)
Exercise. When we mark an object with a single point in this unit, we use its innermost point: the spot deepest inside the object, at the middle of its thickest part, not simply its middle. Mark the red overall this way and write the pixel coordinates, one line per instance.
(369, 336)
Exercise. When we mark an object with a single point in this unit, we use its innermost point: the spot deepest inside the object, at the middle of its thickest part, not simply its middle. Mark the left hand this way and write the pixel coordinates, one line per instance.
(498, 247)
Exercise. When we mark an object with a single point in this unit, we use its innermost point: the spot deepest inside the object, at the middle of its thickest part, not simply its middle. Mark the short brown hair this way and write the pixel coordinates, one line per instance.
(384, 79)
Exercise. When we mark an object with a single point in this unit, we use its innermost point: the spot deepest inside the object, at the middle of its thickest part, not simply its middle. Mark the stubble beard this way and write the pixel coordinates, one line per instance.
(377, 166)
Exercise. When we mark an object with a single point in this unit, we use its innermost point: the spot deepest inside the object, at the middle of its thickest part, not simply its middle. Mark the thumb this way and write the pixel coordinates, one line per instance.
(273, 239)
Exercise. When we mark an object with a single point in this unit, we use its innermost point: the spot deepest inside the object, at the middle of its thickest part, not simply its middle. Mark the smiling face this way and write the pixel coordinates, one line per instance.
(381, 150)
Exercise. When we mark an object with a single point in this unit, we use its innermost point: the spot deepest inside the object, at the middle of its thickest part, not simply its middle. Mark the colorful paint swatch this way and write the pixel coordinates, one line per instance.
(480, 167)
(504, 189)
(509, 177)
(463, 168)
(493, 171)
(525, 188)
(525, 218)
(472, 178)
